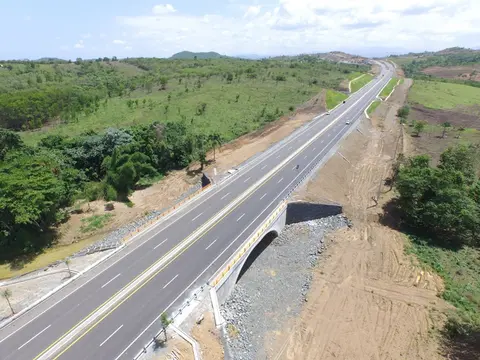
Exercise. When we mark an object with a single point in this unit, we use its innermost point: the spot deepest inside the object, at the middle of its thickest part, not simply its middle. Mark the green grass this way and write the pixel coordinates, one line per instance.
(460, 270)
(333, 98)
(354, 75)
(373, 106)
(95, 222)
(358, 84)
(389, 88)
(223, 112)
(440, 95)
(402, 80)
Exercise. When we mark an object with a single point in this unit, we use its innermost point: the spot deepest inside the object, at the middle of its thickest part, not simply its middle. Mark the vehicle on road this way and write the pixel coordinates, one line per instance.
(347, 122)
(344, 101)
(328, 113)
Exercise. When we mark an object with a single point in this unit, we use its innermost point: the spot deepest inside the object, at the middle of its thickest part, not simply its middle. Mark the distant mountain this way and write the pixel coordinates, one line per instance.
(199, 55)
(250, 56)
(448, 51)
(334, 56)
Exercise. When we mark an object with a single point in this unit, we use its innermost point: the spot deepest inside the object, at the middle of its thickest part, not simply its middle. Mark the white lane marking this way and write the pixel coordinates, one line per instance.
(34, 337)
(329, 134)
(163, 242)
(263, 196)
(278, 156)
(109, 281)
(213, 262)
(213, 242)
(279, 181)
(305, 156)
(240, 217)
(263, 167)
(108, 338)
(224, 196)
(315, 148)
(297, 137)
(247, 179)
(290, 148)
(170, 281)
(196, 217)
(321, 142)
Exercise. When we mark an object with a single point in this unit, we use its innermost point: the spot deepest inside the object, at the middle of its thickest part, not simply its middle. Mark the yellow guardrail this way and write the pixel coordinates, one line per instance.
(260, 231)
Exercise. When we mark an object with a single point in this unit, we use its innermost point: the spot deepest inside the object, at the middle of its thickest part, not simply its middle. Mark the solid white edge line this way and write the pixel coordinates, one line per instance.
(31, 339)
(181, 294)
(109, 281)
(170, 281)
(108, 338)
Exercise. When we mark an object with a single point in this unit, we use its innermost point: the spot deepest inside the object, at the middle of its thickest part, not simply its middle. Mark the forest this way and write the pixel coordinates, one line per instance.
(98, 129)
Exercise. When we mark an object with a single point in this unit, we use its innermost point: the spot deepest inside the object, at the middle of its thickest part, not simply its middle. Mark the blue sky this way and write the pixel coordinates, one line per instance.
(94, 28)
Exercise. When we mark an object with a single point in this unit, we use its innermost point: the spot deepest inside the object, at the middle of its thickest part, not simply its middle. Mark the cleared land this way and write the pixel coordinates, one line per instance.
(368, 299)
(437, 103)
(465, 72)
(361, 82)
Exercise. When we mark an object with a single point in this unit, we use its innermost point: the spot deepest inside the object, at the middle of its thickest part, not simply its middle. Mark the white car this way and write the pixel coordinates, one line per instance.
(348, 122)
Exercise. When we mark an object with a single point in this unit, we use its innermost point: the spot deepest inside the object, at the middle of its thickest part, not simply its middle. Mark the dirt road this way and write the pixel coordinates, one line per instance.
(368, 299)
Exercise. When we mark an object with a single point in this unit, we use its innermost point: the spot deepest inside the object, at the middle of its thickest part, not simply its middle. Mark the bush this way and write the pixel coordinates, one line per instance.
(291, 108)
(403, 111)
(110, 194)
(94, 191)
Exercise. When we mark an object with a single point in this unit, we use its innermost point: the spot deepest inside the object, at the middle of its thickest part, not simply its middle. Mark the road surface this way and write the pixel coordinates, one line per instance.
(123, 332)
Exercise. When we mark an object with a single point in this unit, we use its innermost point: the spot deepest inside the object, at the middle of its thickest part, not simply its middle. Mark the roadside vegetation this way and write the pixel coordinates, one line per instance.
(88, 130)
(361, 82)
(439, 95)
(389, 88)
(373, 106)
(333, 98)
(439, 206)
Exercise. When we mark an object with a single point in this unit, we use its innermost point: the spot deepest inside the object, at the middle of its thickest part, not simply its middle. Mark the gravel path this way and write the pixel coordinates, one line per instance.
(273, 289)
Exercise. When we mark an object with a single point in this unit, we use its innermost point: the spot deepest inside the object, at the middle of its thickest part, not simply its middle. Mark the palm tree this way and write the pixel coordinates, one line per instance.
(67, 262)
(7, 294)
(216, 140)
(165, 322)
(445, 126)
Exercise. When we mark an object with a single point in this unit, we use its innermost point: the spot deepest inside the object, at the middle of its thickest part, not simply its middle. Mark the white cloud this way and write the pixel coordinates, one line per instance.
(163, 9)
(119, 42)
(86, 36)
(79, 45)
(128, 48)
(295, 26)
(252, 11)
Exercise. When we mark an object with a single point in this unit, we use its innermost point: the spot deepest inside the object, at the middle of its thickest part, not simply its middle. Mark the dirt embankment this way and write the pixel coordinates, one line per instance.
(368, 300)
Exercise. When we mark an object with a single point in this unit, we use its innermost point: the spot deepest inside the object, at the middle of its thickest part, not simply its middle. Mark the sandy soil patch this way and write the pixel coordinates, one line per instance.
(368, 299)
(208, 338)
(467, 72)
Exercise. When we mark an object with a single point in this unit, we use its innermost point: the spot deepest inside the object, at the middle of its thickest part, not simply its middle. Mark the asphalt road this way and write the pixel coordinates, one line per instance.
(124, 331)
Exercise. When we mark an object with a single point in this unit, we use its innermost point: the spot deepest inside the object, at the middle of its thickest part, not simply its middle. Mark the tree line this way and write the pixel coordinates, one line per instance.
(39, 183)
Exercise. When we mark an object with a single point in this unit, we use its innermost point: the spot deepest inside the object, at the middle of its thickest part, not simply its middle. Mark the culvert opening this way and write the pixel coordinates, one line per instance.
(304, 211)
(257, 251)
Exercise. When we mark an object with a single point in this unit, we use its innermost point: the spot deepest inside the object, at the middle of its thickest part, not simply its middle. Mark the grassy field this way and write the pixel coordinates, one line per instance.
(439, 95)
(373, 106)
(333, 98)
(389, 88)
(460, 270)
(354, 75)
(364, 80)
(233, 108)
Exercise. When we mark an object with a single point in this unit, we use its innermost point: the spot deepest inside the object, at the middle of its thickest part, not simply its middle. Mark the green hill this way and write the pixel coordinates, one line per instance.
(200, 55)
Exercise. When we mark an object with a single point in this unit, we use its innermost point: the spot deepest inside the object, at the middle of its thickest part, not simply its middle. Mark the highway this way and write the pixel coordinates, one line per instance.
(122, 332)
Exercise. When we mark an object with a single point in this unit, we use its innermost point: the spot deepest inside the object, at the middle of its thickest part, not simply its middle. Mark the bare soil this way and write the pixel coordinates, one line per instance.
(164, 193)
(368, 299)
(465, 117)
(467, 72)
(208, 338)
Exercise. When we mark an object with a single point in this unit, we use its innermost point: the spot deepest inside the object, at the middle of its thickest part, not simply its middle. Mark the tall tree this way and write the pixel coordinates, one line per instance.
(7, 294)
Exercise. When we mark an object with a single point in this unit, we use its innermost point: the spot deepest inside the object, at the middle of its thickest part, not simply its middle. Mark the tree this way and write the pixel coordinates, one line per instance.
(419, 127)
(9, 141)
(403, 112)
(67, 263)
(163, 83)
(215, 140)
(165, 323)
(445, 125)
(7, 294)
